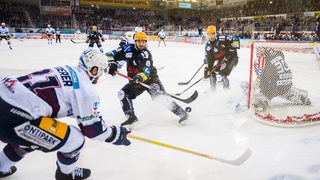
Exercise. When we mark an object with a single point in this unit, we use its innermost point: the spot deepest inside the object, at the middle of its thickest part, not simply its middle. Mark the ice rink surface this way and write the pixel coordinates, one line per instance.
(213, 127)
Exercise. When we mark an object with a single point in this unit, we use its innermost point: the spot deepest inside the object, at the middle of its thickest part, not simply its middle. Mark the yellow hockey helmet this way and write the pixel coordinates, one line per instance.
(211, 30)
(140, 36)
(94, 28)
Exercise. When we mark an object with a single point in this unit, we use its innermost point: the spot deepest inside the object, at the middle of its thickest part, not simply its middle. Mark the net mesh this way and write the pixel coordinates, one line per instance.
(284, 84)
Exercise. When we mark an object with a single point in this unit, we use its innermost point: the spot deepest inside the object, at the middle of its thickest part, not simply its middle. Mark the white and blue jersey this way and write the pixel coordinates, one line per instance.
(57, 92)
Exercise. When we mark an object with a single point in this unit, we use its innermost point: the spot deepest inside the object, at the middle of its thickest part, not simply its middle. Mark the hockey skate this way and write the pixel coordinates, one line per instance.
(12, 170)
(183, 118)
(261, 103)
(131, 119)
(77, 174)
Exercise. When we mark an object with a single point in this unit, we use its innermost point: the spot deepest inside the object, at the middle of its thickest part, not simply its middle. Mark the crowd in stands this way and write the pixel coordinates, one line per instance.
(287, 18)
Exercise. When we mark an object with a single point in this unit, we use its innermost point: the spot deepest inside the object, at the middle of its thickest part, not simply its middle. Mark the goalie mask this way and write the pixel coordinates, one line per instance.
(3, 25)
(93, 62)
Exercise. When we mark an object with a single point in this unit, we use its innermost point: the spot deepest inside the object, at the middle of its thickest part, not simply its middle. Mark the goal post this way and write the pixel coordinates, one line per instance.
(284, 84)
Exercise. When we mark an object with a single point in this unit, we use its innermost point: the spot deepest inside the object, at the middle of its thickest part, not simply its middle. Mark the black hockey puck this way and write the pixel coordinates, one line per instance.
(188, 109)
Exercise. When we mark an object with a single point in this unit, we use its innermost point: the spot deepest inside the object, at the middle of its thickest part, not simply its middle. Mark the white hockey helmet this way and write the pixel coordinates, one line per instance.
(3, 24)
(138, 29)
(91, 58)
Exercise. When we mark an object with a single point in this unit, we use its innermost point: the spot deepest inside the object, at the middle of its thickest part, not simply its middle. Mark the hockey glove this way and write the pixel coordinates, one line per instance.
(119, 136)
(122, 43)
(87, 41)
(113, 66)
(137, 78)
(102, 39)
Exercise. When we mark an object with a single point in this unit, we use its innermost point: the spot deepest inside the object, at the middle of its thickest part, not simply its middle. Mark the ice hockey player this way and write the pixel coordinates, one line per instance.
(129, 37)
(140, 68)
(94, 37)
(162, 36)
(4, 34)
(58, 36)
(30, 104)
(50, 31)
(274, 79)
(220, 57)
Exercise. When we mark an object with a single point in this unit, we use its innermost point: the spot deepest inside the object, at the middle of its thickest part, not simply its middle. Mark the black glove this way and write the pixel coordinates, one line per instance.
(119, 136)
(102, 39)
(122, 43)
(137, 79)
(113, 67)
(87, 41)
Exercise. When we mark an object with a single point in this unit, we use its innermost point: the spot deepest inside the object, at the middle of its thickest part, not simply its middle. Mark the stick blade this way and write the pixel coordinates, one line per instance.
(183, 83)
(192, 97)
(76, 42)
(236, 162)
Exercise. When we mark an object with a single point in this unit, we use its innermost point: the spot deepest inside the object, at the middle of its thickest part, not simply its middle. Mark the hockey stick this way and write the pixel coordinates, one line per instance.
(236, 162)
(160, 68)
(77, 42)
(185, 83)
(188, 100)
(212, 71)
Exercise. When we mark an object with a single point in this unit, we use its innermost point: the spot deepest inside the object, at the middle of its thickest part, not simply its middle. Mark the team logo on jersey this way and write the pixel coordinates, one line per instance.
(208, 48)
(147, 71)
(155, 88)
(95, 108)
(9, 83)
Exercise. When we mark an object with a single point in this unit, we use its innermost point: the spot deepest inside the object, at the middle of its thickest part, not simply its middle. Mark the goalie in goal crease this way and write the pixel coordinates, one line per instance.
(274, 79)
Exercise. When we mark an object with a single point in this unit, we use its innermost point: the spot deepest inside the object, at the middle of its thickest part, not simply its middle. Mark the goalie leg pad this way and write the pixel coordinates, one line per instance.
(261, 103)
(298, 96)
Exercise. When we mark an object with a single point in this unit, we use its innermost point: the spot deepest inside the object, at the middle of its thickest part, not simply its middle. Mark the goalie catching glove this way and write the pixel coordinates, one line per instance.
(119, 136)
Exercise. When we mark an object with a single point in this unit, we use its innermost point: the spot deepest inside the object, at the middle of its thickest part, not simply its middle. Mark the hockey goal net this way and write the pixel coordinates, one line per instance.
(284, 84)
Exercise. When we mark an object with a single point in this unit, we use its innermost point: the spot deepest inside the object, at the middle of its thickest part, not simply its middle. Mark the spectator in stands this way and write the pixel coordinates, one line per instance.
(318, 29)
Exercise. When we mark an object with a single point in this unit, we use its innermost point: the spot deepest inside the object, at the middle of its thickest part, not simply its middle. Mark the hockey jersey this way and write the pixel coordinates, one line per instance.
(58, 92)
(50, 31)
(4, 31)
(161, 35)
(137, 61)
